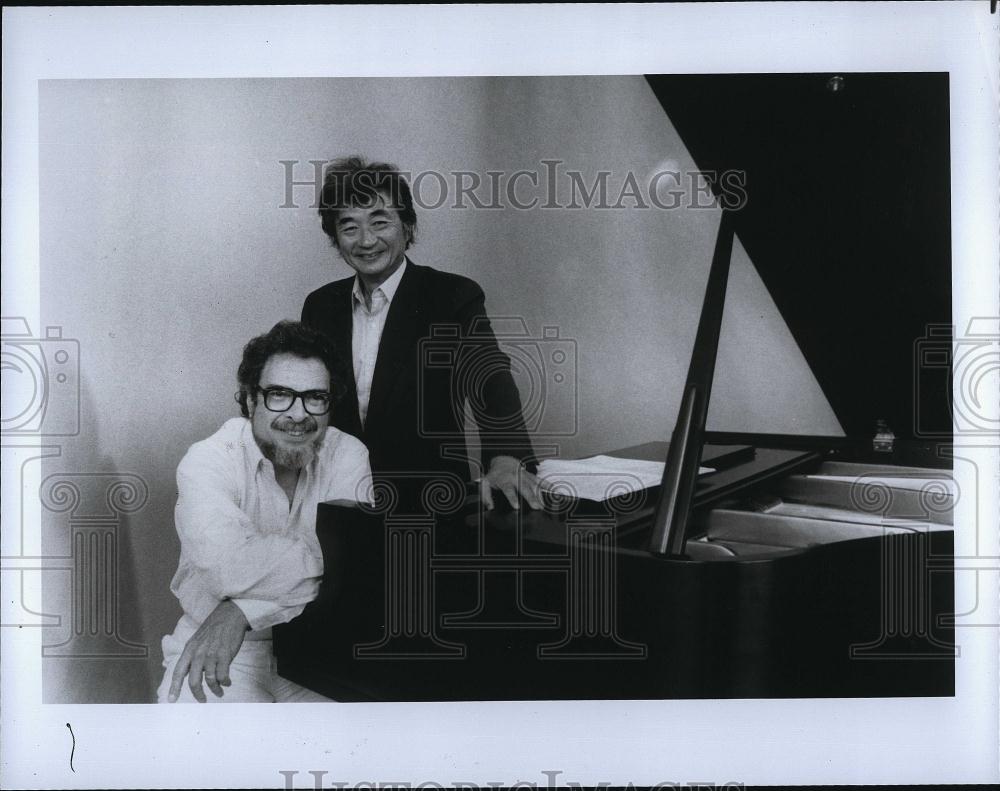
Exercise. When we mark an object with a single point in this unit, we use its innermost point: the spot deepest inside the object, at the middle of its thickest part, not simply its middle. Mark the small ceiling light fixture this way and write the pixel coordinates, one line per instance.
(835, 84)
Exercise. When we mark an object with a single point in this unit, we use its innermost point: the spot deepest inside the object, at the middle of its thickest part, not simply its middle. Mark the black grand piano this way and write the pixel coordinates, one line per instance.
(801, 566)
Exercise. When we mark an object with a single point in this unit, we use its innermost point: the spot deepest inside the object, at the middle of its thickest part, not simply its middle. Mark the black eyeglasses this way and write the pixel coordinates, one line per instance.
(280, 399)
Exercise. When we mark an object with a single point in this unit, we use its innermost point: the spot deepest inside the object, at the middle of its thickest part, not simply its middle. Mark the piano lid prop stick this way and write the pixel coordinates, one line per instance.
(684, 455)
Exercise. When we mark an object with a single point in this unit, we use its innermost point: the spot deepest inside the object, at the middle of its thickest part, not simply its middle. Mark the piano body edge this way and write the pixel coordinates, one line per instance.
(532, 606)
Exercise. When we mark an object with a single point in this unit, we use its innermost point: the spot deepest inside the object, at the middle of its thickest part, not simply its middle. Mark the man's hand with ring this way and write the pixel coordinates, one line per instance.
(210, 651)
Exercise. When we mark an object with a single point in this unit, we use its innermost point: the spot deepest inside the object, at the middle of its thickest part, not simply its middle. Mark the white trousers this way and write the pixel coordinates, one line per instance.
(253, 671)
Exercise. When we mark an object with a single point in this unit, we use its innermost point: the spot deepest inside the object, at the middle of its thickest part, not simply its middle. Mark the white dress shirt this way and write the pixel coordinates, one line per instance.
(239, 538)
(366, 332)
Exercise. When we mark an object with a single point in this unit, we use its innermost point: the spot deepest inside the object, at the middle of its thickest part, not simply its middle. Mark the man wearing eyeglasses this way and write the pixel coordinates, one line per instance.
(246, 509)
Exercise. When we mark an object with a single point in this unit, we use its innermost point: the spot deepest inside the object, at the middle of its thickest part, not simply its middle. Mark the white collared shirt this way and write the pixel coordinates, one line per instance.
(366, 332)
(240, 540)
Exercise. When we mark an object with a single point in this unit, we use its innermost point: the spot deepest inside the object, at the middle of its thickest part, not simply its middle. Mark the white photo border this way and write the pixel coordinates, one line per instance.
(621, 742)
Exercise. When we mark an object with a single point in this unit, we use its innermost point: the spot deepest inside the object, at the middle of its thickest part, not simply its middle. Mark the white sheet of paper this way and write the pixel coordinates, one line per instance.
(601, 477)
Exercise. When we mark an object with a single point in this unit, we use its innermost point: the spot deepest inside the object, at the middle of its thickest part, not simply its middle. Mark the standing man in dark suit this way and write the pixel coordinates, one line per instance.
(422, 346)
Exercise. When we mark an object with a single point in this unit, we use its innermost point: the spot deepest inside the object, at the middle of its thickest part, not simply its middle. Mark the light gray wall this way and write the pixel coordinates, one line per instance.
(163, 250)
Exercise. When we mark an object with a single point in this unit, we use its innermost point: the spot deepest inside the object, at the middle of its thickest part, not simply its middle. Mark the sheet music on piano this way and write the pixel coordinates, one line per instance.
(601, 477)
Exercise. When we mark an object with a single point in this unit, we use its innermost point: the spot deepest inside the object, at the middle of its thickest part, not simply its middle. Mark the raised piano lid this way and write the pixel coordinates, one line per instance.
(832, 244)
(848, 224)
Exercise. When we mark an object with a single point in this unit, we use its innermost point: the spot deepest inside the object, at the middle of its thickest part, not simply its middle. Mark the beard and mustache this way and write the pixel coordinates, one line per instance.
(291, 458)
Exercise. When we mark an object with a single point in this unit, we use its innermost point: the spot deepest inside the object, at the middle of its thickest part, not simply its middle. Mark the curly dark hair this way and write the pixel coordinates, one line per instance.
(288, 337)
(354, 182)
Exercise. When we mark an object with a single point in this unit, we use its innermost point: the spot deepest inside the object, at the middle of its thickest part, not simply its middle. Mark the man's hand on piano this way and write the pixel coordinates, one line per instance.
(507, 475)
(209, 652)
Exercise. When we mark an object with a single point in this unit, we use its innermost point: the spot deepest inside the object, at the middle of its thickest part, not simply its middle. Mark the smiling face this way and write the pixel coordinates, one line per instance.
(290, 438)
(372, 241)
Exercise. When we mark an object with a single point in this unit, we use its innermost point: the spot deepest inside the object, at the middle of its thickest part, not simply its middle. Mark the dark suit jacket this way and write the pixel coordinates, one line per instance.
(437, 350)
